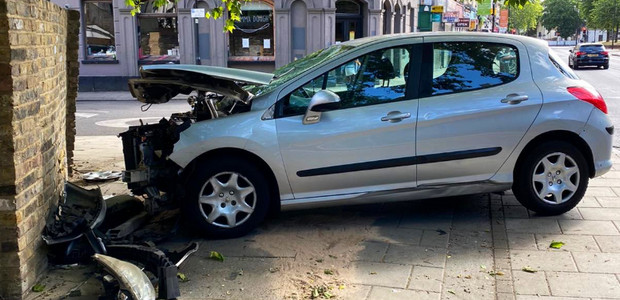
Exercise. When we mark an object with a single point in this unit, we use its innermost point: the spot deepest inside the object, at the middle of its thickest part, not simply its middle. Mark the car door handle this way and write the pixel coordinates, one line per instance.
(395, 116)
(515, 98)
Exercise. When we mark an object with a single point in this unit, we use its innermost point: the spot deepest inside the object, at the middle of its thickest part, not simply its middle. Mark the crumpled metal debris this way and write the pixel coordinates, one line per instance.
(130, 278)
(102, 176)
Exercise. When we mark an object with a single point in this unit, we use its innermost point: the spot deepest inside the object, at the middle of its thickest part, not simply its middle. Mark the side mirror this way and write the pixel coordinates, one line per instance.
(321, 101)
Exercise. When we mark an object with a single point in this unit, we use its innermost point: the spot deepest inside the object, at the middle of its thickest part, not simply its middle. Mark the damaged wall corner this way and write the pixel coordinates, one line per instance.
(34, 54)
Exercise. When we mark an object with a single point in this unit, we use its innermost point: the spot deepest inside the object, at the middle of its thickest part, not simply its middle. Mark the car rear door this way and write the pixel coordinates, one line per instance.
(477, 101)
(365, 145)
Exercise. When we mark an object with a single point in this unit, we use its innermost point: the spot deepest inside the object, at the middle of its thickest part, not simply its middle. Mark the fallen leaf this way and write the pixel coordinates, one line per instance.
(441, 232)
(328, 272)
(341, 287)
(468, 276)
(38, 288)
(496, 273)
(333, 256)
(320, 260)
(373, 273)
(483, 267)
(216, 256)
(451, 292)
(529, 269)
(182, 277)
(556, 245)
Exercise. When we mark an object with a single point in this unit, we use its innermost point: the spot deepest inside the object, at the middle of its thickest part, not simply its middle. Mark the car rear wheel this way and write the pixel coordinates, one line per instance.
(226, 198)
(552, 179)
(606, 66)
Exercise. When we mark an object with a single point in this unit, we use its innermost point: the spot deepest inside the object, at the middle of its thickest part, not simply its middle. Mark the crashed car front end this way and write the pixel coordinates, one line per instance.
(213, 93)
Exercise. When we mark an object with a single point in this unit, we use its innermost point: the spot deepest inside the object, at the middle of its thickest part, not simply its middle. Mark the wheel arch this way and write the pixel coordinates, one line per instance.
(236, 153)
(560, 135)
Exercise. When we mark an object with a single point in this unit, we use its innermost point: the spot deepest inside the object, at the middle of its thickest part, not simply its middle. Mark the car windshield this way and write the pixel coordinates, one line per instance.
(298, 67)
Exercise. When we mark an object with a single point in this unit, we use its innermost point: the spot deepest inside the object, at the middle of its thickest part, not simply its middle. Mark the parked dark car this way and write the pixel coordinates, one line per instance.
(590, 54)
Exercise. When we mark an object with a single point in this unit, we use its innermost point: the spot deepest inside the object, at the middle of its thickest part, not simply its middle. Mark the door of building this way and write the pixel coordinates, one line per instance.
(349, 20)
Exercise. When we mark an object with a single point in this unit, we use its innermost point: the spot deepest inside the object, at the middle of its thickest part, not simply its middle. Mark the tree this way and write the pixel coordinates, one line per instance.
(563, 15)
(524, 18)
(585, 11)
(233, 7)
(604, 15)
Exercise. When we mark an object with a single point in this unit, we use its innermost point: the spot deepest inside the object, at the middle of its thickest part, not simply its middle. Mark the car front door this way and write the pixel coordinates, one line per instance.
(477, 101)
(364, 145)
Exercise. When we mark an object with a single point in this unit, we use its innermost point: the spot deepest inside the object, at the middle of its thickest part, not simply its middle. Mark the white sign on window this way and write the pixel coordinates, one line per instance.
(245, 42)
(198, 13)
(266, 43)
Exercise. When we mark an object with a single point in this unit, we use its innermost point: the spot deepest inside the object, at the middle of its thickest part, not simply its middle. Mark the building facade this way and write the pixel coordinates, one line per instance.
(271, 33)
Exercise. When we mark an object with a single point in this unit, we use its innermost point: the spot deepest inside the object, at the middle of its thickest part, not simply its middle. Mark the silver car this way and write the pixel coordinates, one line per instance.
(385, 118)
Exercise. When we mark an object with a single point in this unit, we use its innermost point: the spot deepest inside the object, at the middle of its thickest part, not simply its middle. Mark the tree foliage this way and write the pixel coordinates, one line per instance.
(585, 10)
(603, 14)
(563, 15)
(525, 17)
(233, 7)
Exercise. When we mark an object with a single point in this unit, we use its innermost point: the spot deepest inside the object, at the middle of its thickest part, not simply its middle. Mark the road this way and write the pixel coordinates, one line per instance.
(112, 117)
(606, 82)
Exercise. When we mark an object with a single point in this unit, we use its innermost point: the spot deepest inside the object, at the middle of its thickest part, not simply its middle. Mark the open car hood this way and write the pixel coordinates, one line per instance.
(159, 83)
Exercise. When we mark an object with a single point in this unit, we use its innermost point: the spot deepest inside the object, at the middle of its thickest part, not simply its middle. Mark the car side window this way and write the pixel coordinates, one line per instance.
(374, 78)
(464, 66)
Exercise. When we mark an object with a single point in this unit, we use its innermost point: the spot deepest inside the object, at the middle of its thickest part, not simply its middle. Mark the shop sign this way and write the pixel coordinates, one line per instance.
(472, 24)
(503, 18)
(436, 18)
(462, 23)
(198, 13)
(450, 17)
(437, 8)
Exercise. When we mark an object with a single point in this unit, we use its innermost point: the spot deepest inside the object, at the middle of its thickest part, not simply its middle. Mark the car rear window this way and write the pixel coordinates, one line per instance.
(592, 47)
(564, 69)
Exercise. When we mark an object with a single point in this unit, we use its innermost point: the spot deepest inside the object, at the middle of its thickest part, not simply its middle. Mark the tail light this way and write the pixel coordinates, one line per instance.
(605, 53)
(589, 95)
(579, 53)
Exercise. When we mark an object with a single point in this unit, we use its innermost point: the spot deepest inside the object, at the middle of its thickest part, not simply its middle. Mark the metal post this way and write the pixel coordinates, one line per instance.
(615, 23)
(493, 11)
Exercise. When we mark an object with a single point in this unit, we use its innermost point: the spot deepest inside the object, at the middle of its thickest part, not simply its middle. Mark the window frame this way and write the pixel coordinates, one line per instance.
(412, 84)
(86, 59)
(426, 82)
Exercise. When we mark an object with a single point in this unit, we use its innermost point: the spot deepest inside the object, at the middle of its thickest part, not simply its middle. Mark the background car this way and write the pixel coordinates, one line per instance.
(590, 54)
(385, 118)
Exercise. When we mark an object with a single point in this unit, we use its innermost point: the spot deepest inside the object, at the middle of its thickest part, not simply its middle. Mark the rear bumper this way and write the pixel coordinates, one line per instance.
(598, 133)
(585, 61)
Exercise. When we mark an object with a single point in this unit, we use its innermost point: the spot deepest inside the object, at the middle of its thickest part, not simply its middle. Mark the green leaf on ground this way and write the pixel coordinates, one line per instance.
(38, 288)
(529, 269)
(451, 292)
(216, 256)
(328, 272)
(182, 277)
(556, 245)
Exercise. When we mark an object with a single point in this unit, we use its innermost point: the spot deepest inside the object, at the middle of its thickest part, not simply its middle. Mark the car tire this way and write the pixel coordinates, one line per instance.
(542, 178)
(606, 66)
(575, 66)
(226, 198)
(570, 65)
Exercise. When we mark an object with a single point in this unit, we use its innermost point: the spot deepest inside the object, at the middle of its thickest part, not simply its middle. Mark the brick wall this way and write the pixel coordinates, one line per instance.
(33, 109)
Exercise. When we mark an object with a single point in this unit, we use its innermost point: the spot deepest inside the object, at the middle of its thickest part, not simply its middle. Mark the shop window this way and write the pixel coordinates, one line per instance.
(158, 34)
(99, 31)
(253, 34)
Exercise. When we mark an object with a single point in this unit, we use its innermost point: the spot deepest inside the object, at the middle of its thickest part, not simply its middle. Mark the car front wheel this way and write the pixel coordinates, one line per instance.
(552, 179)
(226, 198)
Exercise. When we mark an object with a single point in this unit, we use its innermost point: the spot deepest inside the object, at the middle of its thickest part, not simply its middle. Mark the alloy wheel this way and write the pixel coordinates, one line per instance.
(556, 178)
(227, 200)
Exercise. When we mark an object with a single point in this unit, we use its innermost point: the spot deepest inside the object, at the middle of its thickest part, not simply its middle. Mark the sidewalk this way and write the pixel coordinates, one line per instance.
(473, 247)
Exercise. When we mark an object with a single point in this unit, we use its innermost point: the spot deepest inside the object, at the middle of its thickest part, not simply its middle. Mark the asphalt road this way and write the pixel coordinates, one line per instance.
(112, 117)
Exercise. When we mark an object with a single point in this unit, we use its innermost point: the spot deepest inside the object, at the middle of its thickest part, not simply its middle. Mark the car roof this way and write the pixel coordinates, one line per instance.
(473, 35)
(591, 44)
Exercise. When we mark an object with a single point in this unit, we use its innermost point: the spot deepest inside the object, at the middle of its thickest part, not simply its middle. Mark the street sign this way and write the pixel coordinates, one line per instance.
(450, 17)
(437, 8)
(462, 23)
(503, 18)
(198, 13)
(436, 18)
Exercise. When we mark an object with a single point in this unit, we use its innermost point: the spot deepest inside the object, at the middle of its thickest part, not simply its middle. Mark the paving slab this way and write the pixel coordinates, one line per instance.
(588, 227)
(426, 279)
(601, 191)
(608, 243)
(609, 201)
(589, 201)
(381, 274)
(522, 241)
(383, 293)
(603, 213)
(533, 226)
(416, 255)
(400, 235)
(572, 243)
(434, 238)
(530, 283)
(598, 262)
(542, 260)
(583, 285)
(373, 251)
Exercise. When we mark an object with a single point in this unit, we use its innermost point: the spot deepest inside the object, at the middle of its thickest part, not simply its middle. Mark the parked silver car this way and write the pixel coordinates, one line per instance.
(386, 118)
